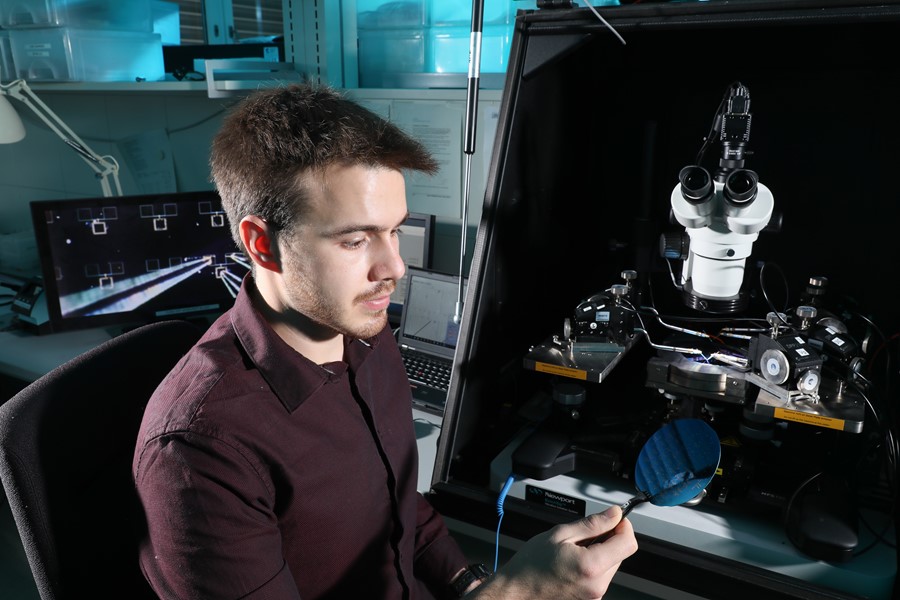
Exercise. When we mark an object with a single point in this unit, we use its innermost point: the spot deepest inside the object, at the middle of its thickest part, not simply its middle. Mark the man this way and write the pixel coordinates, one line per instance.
(278, 459)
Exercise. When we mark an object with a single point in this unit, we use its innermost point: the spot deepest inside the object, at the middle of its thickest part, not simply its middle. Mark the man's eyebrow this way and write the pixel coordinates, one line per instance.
(362, 229)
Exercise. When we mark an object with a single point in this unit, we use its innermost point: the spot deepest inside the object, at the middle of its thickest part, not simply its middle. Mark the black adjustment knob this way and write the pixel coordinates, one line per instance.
(675, 245)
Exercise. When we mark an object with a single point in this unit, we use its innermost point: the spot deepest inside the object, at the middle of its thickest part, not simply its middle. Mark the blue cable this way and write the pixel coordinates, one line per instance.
(500, 500)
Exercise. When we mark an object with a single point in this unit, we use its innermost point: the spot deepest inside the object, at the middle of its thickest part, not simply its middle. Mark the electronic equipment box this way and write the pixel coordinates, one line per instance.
(697, 220)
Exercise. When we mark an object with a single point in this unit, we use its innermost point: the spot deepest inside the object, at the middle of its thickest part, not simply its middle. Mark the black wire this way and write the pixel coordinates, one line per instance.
(738, 350)
(796, 493)
(652, 304)
(889, 447)
(712, 128)
(872, 323)
(884, 342)
(762, 289)
(196, 123)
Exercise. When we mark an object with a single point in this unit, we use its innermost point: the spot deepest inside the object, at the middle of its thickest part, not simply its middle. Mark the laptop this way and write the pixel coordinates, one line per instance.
(427, 335)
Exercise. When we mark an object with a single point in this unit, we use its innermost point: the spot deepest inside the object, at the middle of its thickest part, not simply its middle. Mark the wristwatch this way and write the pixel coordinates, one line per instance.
(472, 573)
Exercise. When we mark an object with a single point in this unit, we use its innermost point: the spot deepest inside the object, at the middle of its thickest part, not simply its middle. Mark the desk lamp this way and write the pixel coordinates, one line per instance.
(12, 130)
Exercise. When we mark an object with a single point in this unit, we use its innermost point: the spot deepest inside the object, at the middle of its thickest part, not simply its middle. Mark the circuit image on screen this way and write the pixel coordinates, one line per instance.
(146, 257)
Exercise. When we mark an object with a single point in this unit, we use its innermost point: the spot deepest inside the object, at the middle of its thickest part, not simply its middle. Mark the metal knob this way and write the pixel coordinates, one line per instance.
(806, 312)
(816, 285)
(618, 290)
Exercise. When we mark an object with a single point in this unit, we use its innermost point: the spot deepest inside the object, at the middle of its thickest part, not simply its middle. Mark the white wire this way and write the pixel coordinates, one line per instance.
(672, 275)
(734, 361)
(693, 332)
(599, 16)
(694, 351)
(738, 336)
(643, 329)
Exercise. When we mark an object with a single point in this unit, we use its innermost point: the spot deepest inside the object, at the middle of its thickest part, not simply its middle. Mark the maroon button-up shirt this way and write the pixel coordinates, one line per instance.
(264, 475)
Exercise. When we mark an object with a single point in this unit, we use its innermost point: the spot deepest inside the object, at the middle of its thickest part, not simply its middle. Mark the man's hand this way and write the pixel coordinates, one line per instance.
(566, 562)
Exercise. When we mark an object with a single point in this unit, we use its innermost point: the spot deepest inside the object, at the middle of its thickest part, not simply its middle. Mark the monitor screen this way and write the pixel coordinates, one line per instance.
(136, 259)
(415, 249)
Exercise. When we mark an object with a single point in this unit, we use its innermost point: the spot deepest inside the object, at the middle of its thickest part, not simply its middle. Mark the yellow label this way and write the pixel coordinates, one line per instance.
(557, 370)
(802, 417)
(730, 441)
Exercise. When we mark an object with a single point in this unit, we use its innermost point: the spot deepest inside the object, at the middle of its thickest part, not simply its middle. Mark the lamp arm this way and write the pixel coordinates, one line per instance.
(105, 167)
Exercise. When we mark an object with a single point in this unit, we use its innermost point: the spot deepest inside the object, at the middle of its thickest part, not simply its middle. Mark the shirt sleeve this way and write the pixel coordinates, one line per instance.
(438, 556)
(211, 531)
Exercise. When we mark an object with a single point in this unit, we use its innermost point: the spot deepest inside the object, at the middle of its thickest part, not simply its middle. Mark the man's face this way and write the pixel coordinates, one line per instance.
(343, 263)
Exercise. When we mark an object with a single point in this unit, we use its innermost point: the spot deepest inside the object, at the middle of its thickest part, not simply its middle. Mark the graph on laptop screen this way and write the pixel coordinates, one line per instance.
(136, 259)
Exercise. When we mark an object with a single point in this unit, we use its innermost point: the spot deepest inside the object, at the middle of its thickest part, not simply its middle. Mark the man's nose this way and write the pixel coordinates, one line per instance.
(388, 263)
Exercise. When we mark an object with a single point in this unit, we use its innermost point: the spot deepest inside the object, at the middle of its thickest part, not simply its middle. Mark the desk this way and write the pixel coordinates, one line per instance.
(428, 431)
(25, 356)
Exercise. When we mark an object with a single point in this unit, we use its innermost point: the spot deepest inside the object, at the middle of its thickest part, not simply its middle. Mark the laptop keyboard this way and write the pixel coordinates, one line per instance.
(427, 371)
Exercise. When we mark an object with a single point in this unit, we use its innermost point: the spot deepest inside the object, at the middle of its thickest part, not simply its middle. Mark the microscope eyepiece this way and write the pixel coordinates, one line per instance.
(740, 187)
(696, 184)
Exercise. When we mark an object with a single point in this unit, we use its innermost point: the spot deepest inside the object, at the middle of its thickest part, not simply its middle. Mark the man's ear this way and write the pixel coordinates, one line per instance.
(257, 237)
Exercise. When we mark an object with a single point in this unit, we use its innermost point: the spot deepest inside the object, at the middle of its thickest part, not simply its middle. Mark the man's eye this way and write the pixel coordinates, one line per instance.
(353, 244)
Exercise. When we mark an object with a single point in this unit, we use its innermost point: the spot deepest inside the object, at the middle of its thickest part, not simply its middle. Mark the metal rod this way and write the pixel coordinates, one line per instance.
(469, 141)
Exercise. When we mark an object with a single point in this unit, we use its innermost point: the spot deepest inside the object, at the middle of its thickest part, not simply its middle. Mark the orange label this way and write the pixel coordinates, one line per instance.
(557, 370)
(802, 417)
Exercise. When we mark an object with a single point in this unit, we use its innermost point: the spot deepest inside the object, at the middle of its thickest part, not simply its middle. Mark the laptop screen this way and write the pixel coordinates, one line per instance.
(428, 310)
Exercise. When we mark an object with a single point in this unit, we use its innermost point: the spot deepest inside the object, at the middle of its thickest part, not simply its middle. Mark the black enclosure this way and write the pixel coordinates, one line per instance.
(592, 136)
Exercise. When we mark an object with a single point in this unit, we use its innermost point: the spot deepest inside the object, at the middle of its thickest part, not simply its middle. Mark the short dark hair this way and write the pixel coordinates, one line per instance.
(276, 136)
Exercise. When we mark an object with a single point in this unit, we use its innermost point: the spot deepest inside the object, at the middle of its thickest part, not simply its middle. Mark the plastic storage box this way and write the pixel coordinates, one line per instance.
(68, 54)
(459, 14)
(167, 21)
(448, 49)
(123, 15)
(430, 36)
(389, 50)
(378, 14)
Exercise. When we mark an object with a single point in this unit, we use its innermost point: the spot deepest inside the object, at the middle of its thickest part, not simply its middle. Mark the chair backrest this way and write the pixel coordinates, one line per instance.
(66, 447)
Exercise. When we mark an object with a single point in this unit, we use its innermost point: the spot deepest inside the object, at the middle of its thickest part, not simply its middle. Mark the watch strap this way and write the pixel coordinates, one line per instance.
(472, 573)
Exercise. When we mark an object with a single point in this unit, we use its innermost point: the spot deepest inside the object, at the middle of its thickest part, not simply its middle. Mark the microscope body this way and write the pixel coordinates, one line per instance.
(722, 225)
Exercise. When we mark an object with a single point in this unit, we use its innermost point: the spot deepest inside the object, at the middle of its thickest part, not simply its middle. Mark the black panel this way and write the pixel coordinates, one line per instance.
(592, 136)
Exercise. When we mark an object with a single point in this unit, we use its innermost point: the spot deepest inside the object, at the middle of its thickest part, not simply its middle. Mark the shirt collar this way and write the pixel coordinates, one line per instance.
(292, 377)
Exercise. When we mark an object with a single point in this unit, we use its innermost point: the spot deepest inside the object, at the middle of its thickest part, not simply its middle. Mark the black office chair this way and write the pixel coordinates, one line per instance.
(66, 445)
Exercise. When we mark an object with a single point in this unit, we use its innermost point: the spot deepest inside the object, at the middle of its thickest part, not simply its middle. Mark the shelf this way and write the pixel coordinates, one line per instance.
(130, 87)
(118, 86)
(199, 87)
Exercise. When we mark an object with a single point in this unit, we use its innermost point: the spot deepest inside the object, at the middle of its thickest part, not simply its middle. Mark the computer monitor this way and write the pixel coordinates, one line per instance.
(416, 246)
(136, 259)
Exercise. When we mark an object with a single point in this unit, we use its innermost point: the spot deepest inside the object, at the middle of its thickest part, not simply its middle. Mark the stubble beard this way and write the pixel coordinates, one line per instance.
(307, 298)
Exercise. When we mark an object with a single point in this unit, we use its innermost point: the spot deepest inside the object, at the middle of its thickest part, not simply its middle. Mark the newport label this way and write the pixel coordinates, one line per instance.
(555, 500)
